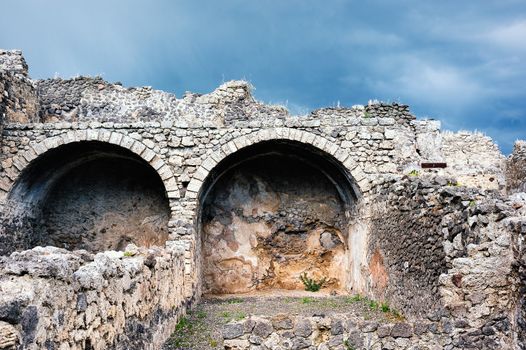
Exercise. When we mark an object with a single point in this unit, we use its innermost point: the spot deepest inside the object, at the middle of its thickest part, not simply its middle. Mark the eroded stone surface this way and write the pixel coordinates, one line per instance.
(60, 299)
(516, 168)
(106, 205)
(268, 221)
(9, 337)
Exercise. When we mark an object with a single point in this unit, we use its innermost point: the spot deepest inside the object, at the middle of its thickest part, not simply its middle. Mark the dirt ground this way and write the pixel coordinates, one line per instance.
(201, 328)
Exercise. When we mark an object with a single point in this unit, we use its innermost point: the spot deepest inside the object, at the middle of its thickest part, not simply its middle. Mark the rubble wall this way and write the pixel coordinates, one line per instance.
(474, 160)
(516, 168)
(18, 96)
(518, 225)
(51, 298)
(406, 254)
(337, 331)
(445, 253)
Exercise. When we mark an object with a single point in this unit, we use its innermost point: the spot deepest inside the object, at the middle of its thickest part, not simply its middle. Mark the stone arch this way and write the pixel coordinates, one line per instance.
(239, 229)
(232, 146)
(36, 149)
(38, 168)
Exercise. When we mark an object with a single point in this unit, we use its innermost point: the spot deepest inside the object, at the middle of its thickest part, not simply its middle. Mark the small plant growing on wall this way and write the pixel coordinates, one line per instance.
(311, 284)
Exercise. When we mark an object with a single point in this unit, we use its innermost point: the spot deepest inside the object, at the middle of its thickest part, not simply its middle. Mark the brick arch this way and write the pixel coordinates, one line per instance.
(230, 147)
(36, 149)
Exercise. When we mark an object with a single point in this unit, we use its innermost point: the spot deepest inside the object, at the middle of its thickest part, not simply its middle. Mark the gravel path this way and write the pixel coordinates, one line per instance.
(201, 328)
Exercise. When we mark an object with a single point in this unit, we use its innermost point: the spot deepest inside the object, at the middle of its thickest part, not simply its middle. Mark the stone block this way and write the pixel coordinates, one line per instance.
(232, 330)
(402, 330)
(303, 328)
(262, 328)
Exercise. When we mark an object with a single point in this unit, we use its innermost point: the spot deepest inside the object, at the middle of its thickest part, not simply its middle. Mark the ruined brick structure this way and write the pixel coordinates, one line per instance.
(122, 206)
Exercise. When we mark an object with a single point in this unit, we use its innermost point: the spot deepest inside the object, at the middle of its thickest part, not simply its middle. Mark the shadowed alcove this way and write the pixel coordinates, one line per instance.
(271, 212)
(88, 195)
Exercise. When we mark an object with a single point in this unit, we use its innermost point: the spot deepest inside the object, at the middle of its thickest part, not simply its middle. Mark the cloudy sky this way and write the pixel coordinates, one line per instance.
(463, 61)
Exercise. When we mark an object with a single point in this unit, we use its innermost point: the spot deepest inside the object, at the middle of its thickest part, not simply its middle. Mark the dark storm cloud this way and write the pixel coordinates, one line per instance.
(461, 62)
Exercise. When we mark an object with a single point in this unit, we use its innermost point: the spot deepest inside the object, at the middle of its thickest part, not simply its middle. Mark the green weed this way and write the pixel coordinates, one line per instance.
(310, 284)
(384, 307)
(307, 300)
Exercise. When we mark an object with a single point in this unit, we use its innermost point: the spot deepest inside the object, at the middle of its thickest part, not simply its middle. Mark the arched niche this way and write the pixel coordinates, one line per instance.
(272, 211)
(89, 195)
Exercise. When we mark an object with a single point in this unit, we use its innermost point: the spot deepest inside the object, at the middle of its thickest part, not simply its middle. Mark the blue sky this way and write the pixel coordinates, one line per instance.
(463, 62)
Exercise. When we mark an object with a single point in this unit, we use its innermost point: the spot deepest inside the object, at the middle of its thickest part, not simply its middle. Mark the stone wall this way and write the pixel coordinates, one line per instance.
(516, 168)
(85, 99)
(474, 160)
(445, 252)
(518, 226)
(56, 299)
(406, 253)
(18, 98)
(479, 290)
(337, 331)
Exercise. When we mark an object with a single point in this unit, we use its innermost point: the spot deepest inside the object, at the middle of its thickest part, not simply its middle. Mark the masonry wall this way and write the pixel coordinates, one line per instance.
(186, 152)
(337, 331)
(479, 291)
(406, 253)
(18, 98)
(445, 253)
(56, 299)
(516, 168)
(474, 160)
(519, 227)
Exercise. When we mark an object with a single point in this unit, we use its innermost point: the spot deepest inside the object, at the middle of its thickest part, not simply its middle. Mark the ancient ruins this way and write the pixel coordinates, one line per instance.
(121, 207)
